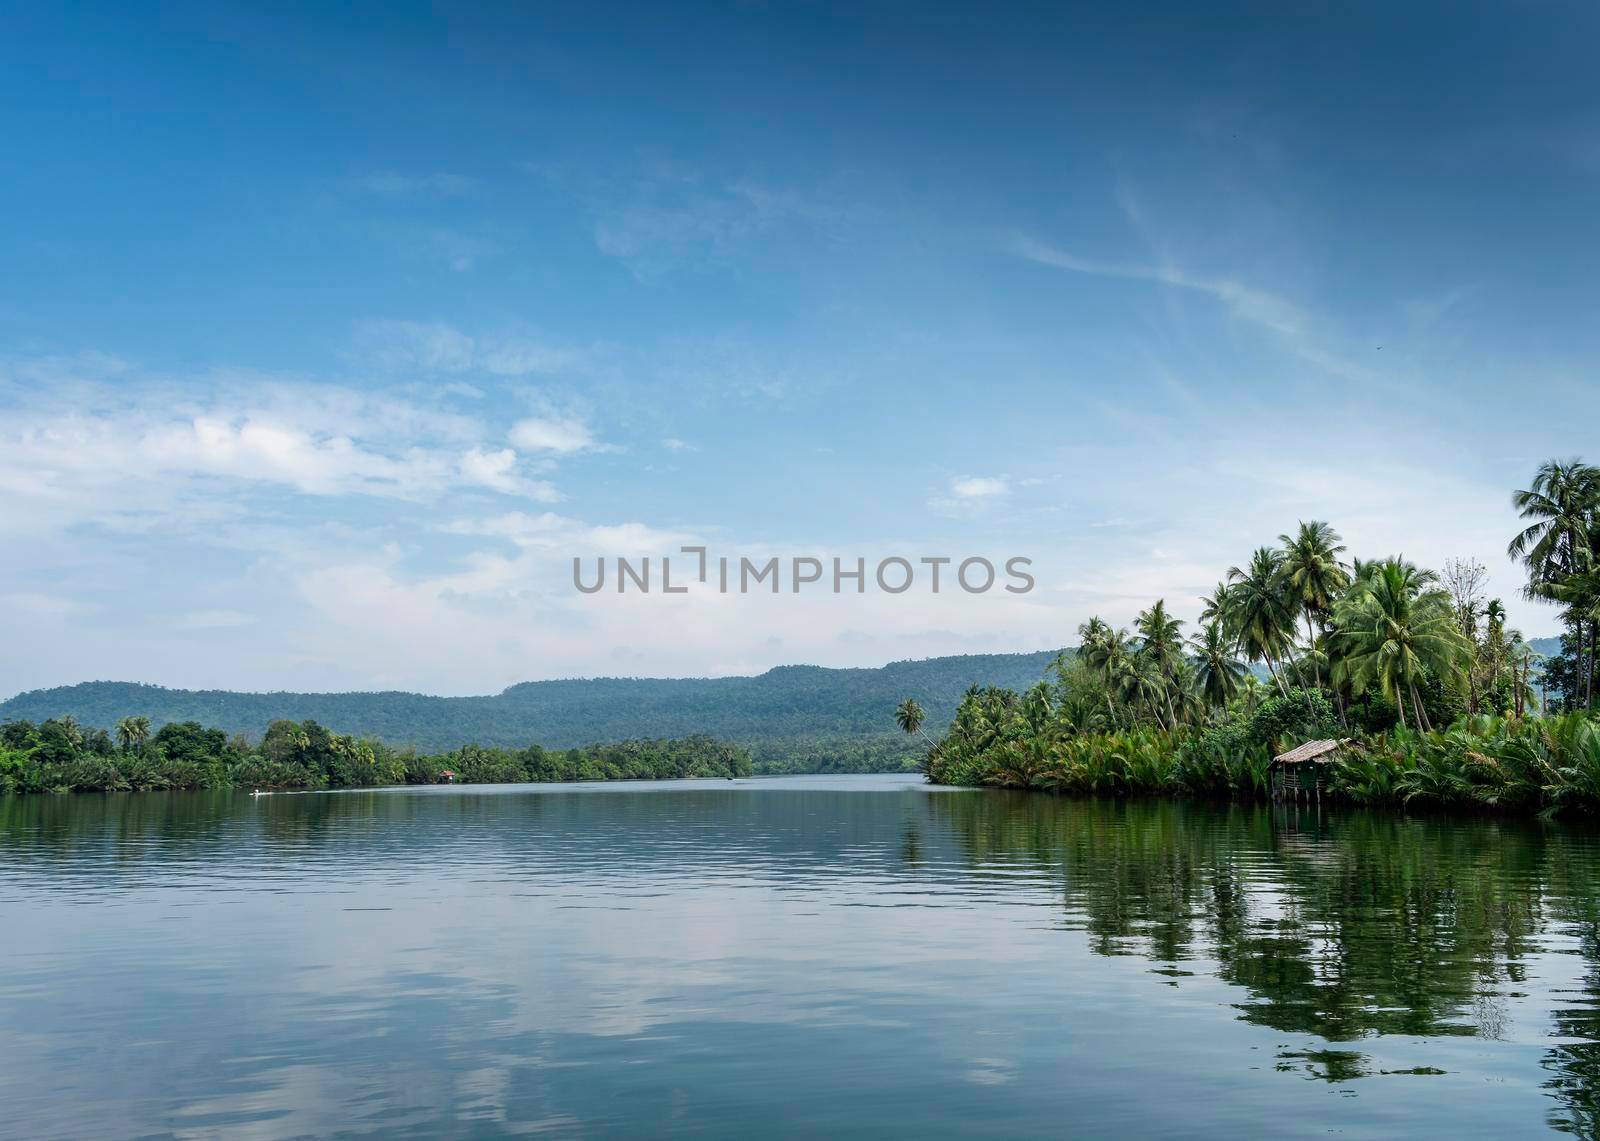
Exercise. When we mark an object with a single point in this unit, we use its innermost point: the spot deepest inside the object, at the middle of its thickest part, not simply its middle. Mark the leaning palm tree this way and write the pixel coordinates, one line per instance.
(1218, 672)
(1141, 683)
(1313, 576)
(133, 732)
(1396, 626)
(1260, 613)
(909, 716)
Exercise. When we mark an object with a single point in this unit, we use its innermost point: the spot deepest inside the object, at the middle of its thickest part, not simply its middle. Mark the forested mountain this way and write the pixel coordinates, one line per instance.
(794, 718)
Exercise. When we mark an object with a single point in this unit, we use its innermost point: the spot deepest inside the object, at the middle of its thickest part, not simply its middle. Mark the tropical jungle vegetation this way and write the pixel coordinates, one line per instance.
(60, 755)
(1434, 695)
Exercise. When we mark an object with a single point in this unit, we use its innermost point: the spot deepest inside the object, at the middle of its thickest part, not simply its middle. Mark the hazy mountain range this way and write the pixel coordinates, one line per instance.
(793, 717)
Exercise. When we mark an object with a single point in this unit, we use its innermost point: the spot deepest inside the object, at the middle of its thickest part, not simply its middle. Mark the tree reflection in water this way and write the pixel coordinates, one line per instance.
(1346, 926)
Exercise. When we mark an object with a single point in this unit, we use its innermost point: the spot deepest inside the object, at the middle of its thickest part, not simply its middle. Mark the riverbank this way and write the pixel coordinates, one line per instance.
(61, 756)
(1526, 766)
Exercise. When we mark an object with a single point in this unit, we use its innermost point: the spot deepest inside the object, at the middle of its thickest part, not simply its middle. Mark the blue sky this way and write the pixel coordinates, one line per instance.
(328, 338)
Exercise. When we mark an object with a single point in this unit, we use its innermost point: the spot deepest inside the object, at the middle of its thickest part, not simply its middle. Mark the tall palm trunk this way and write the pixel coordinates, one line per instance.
(1588, 689)
(1310, 708)
(1416, 707)
(1283, 689)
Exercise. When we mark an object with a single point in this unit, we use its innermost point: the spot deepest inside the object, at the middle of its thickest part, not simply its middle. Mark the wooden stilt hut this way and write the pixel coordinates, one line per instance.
(1298, 774)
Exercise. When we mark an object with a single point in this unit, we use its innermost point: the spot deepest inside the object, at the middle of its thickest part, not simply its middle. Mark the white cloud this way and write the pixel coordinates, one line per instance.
(970, 496)
(978, 487)
(130, 462)
(551, 434)
(673, 444)
(498, 472)
(497, 619)
(549, 531)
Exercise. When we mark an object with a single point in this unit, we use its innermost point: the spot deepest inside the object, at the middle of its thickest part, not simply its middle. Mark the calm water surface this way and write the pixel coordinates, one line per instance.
(855, 956)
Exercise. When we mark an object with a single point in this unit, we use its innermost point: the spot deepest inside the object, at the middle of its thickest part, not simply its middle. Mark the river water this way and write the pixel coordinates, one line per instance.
(803, 956)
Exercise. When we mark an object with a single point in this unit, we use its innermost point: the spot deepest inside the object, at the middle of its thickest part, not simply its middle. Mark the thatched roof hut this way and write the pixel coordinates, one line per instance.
(1322, 752)
(1297, 774)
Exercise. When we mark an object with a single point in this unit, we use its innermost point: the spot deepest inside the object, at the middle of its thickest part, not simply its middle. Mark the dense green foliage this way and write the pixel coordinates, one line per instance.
(794, 719)
(1432, 693)
(59, 755)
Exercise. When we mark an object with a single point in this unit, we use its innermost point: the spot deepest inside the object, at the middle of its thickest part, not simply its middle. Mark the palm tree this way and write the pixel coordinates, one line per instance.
(133, 732)
(909, 716)
(1261, 617)
(1216, 608)
(1562, 503)
(1313, 575)
(1251, 692)
(1107, 652)
(1579, 592)
(1218, 672)
(1564, 508)
(1140, 681)
(1395, 626)
(1161, 645)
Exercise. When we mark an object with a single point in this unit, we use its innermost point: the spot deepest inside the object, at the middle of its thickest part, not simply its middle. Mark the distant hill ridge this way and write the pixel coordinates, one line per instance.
(787, 704)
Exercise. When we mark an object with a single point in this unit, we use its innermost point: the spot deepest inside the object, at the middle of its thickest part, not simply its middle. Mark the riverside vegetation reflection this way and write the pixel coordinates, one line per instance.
(1347, 925)
(1433, 968)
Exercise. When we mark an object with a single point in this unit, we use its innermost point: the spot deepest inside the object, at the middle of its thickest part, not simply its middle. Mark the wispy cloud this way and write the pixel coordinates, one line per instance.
(432, 347)
(1253, 305)
(545, 434)
(1287, 322)
(967, 496)
(674, 217)
(978, 487)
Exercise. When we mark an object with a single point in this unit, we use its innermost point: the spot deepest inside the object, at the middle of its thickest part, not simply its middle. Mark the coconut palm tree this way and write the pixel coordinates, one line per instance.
(1140, 681)
(1562, 504)
(1216, 606)
(1107, 652)
(1313, 575)
(133, 732)
(909, 716)
(1218, 672)
(1161, 645)
(1252, 692)
(1396, 626)
(1260, 614)
(1564, 508)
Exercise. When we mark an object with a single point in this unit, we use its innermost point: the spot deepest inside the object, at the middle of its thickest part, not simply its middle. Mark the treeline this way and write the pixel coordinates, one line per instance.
(880, 753)
(1439, 701)
(59, 755)
(778, 713)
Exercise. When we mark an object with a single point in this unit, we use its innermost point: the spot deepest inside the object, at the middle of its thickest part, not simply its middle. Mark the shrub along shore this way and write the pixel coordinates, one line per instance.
(1438, 701)
(62, 756)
